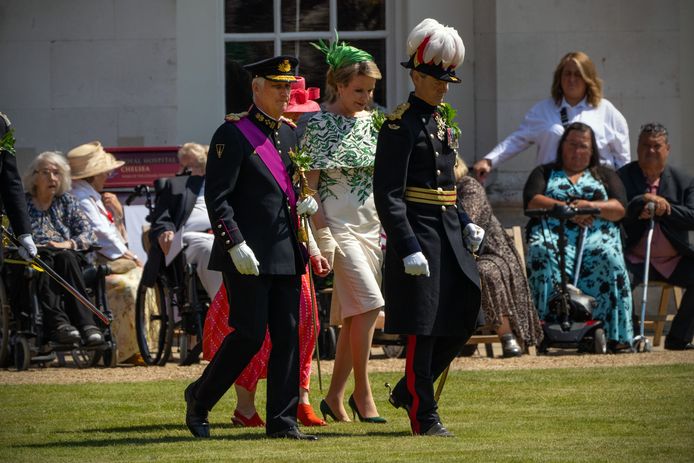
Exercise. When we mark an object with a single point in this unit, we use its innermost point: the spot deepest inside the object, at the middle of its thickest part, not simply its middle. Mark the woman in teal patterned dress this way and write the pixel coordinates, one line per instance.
(342, 142)
(577, 179)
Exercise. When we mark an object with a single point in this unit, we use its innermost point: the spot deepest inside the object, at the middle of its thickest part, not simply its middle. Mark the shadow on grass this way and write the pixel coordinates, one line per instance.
(144, 440)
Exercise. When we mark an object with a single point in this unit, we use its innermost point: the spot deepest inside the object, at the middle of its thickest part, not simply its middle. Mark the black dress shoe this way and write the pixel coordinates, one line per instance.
(196, 415)
(292, 433)
(438, 430)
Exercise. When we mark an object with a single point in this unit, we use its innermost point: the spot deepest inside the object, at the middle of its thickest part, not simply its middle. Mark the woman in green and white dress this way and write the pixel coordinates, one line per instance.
(341, 142)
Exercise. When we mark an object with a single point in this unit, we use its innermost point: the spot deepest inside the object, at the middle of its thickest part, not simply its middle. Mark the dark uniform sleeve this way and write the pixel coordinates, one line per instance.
(11, 190)
(390, 176)
(223, 167)
(161, 217)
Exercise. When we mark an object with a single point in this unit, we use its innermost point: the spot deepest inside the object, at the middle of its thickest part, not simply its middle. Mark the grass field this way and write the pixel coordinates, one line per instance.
(624, 414)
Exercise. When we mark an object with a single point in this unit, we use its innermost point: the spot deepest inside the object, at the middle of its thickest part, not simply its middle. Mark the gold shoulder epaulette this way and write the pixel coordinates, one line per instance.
(233, 117)
(398, 112)
(288, 121)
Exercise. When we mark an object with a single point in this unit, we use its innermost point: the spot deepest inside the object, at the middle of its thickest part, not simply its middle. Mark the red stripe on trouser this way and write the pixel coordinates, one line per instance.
(410, 381)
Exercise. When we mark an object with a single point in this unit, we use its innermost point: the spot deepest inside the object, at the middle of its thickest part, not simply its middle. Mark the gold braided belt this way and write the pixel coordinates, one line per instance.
(437, 196)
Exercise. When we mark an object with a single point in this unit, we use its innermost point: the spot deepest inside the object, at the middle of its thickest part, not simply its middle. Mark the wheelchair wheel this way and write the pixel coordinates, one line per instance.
(22, 353)
(4, 327)
(393, 351)
(154, 322)
(327, 343)
(109, 356)
(84, 358)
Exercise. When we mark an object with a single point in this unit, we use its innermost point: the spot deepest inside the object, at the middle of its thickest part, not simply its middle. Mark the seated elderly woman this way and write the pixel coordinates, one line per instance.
(90, 167)
(577, 179)
(506, 301)
(60, 230)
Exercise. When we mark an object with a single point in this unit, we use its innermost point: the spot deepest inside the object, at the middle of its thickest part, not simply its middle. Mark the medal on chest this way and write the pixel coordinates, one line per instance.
(440, 126)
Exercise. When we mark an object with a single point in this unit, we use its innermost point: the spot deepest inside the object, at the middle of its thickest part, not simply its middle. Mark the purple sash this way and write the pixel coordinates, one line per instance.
(270, 157)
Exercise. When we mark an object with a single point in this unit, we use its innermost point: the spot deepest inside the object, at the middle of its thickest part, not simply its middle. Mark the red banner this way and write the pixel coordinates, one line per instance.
(143, 165)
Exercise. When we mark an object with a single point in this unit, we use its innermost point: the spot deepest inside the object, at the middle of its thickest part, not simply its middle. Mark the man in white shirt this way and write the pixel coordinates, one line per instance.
(576, 97)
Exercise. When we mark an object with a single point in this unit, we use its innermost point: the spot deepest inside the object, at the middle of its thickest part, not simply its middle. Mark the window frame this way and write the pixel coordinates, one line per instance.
(278, 37)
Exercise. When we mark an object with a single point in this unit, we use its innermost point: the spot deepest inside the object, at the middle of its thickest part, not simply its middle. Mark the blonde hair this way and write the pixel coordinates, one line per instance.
(196, 150)
(459, 169)
(344, 74)
(588, 73)
(48, 157)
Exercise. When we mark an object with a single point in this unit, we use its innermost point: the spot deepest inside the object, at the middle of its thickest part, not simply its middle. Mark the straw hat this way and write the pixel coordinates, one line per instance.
(301, 98)
(90, 159)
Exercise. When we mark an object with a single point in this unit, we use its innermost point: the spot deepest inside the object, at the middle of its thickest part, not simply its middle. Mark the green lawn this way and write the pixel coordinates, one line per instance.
(627, 414)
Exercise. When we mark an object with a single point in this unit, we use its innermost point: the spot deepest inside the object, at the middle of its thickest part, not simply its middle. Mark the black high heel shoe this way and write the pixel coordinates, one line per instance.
(364, 419)
(326, 411)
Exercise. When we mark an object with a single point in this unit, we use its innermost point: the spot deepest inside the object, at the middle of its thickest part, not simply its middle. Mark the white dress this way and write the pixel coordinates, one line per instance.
(343, 149)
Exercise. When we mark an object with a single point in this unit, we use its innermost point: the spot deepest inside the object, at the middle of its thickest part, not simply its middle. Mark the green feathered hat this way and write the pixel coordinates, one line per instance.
(338, 54)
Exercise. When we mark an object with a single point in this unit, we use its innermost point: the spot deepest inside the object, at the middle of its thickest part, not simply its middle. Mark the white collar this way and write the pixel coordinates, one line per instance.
(84, 188)
(580, 105)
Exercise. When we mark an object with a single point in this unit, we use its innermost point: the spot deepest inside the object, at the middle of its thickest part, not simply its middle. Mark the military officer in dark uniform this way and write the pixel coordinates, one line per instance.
(253, 210)
(431, 282)
(12, 199)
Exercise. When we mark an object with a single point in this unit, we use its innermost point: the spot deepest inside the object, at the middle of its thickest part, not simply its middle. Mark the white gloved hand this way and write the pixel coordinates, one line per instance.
(327, 245)
(306, 206)
(472, 237)
(28, 249)
(244, 259)
(416, 264)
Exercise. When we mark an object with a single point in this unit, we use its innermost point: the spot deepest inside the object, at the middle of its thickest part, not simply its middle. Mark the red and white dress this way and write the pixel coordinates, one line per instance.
(217, 328)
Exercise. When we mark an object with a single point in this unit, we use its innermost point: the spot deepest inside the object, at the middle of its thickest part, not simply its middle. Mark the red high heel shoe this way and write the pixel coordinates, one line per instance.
(253, 422)
(306, 416)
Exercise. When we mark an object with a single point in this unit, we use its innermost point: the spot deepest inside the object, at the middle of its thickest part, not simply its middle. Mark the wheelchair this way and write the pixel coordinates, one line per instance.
(172, 312)
(24, 337)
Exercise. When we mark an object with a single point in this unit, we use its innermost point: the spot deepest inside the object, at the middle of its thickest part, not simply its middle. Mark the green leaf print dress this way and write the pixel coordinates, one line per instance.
(342, 149)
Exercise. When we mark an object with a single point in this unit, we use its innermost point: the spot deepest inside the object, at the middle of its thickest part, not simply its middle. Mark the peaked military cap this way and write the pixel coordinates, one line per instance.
(277, 69)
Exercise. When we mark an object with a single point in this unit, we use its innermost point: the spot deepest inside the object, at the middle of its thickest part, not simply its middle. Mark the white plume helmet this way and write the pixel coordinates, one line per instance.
(432, 45)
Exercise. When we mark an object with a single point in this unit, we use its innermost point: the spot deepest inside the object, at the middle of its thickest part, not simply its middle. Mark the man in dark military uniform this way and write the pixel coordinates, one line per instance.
(431, 282)
(253, 211)
(12, 200)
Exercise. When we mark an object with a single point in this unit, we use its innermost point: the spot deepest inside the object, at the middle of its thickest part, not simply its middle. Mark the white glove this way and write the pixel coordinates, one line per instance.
(306, 206)
(416, 264)
(472, 237)
(28, 249)
(327, 245)
(244, 259)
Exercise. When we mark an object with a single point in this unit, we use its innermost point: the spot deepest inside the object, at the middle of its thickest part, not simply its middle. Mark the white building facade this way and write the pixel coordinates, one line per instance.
(152, 73)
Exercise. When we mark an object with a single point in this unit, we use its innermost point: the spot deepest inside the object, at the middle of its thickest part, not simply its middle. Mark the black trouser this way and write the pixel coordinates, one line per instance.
(67, 264)
(257, 302)
(427, 358)
(682, 328)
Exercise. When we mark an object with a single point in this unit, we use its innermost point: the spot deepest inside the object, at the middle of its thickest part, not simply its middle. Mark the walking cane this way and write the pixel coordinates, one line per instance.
(579, 257)
(442, 381)
(641, 342)
(69, 288)
(314, 309)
